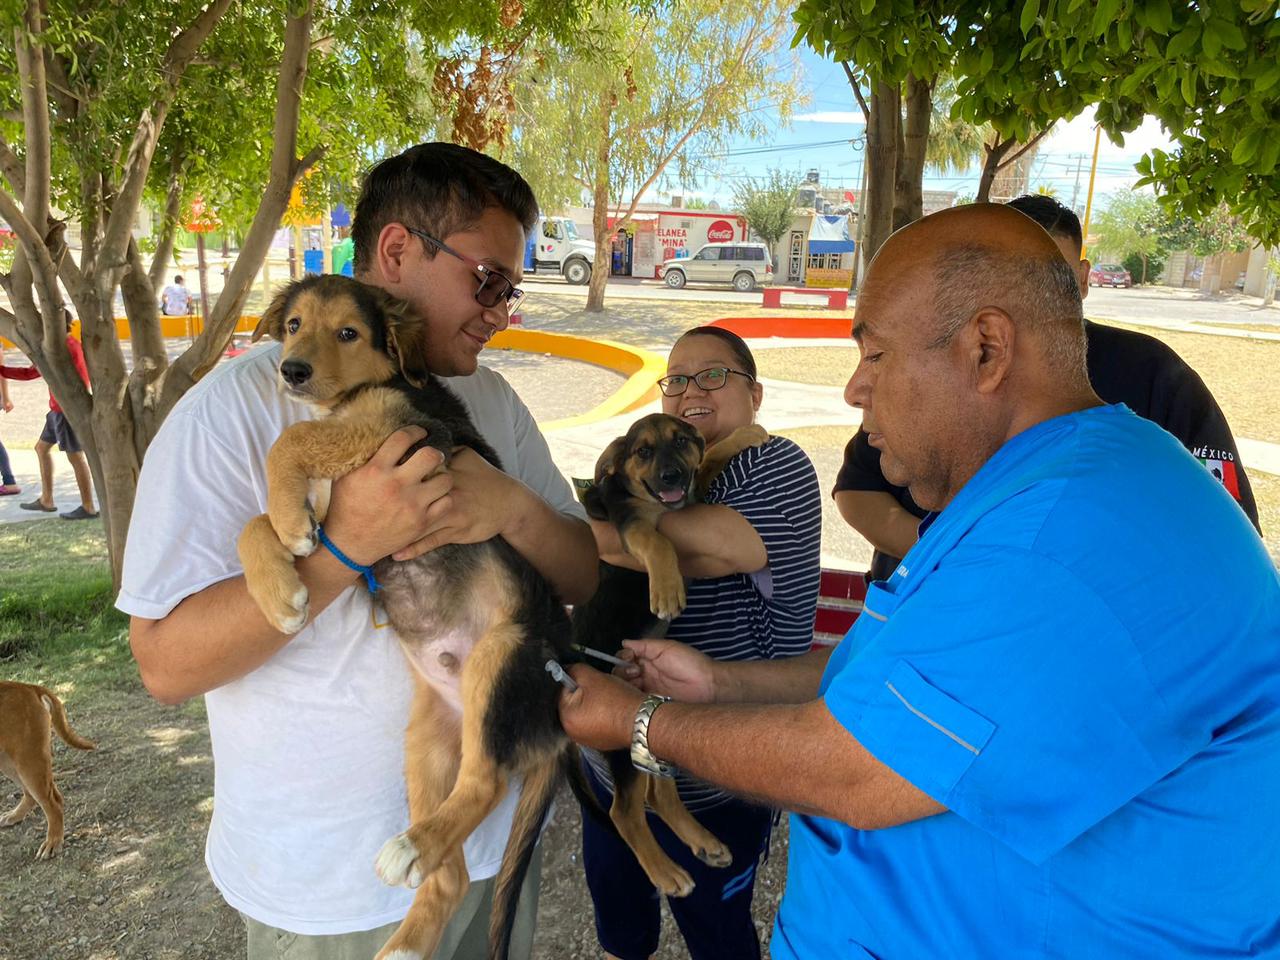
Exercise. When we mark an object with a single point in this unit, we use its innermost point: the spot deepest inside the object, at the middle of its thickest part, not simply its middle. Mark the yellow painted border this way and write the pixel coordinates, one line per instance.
(641, 367)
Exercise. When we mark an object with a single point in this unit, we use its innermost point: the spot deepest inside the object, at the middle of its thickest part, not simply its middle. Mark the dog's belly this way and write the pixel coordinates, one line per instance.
(441, 605)
(438, 661)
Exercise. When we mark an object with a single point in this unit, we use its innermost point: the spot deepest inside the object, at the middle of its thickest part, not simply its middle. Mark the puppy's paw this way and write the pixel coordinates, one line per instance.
(400, 953)
(397, 863)
(49, 849)
(714, 854)
(302, 541)
(287, 606)
(666, 595)
(752, 435)
(671, 878)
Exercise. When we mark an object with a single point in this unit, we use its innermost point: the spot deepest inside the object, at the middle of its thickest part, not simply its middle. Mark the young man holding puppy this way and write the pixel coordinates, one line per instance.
(308, 729)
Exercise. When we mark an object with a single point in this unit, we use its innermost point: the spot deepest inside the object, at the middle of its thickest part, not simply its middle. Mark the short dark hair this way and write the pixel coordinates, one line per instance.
(177, 278)
(439, 188)
(739, 346)
(1057, 218)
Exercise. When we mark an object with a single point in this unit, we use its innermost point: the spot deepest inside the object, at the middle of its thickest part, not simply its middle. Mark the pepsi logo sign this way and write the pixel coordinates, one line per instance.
(720, 232)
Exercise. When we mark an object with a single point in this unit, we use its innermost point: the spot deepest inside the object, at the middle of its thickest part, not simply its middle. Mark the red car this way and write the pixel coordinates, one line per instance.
(1110, 275)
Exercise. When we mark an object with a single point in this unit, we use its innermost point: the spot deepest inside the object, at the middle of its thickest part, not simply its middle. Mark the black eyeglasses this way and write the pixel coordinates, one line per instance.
(713, 378)
(494, 287)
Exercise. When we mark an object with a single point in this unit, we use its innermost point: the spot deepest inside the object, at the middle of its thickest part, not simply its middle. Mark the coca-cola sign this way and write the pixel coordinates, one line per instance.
(720, 232)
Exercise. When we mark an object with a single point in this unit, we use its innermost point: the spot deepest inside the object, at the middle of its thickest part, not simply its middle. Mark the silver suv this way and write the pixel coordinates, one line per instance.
(745, 265)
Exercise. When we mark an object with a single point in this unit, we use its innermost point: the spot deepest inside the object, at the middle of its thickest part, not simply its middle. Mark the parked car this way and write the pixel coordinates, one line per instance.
(1110, 275)
(745, 265)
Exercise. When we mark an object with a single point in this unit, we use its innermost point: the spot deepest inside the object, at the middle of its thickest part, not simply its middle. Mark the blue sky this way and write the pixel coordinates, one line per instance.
(819, 134)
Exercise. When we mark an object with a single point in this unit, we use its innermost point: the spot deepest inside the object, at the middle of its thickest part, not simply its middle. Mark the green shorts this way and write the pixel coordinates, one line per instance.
(465, 938)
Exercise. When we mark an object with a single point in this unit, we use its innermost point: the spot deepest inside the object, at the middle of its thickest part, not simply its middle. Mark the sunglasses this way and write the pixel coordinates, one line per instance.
(713, 378)
(494, 287)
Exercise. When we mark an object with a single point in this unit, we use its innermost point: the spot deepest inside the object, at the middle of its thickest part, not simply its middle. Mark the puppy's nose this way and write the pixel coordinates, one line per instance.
(295, 372)
(671, 476)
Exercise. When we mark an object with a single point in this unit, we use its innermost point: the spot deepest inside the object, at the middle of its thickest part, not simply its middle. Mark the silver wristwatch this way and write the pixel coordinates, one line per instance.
(641, 757)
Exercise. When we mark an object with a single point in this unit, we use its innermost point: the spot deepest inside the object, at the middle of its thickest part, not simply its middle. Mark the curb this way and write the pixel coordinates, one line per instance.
(641, 367)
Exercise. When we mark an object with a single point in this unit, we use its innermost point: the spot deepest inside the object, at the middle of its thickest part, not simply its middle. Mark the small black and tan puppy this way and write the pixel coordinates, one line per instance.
(661, 464)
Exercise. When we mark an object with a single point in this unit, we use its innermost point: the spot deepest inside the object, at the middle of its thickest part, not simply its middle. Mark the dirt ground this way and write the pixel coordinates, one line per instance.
(130, 882)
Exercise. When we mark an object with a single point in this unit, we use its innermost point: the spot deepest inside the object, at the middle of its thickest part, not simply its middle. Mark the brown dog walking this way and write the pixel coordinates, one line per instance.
(26, 755)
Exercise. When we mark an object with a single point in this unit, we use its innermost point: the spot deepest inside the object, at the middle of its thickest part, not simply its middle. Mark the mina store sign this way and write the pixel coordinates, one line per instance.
(720, 232)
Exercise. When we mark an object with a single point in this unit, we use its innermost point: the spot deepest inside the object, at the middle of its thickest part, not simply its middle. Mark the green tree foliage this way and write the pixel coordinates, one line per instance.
(768, 204)
(1209, 70)
(1132, 225)
(639, 95)
(107, 105)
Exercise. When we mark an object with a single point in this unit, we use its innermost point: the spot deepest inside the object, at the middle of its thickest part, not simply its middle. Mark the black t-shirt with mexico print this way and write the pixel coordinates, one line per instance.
(1135, 369)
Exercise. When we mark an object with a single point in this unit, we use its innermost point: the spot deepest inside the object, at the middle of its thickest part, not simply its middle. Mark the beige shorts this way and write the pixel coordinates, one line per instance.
(465, 938)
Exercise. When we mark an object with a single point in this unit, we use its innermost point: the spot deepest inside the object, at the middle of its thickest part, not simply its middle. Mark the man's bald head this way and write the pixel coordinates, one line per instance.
(988, 255)
(969, 328)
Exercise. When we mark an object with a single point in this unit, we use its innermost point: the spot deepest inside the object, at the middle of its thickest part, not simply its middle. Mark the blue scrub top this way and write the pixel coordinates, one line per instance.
(1080, 659)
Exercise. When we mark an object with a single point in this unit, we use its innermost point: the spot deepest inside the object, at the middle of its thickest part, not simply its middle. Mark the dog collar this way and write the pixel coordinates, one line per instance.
(367, 572)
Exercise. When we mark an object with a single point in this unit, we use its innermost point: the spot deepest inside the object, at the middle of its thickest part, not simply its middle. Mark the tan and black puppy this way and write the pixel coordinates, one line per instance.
(476, 622)
(26, 755)
(660, 464)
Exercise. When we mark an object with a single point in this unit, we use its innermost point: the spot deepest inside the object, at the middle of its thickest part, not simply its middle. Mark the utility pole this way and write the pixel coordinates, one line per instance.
(1075, 193)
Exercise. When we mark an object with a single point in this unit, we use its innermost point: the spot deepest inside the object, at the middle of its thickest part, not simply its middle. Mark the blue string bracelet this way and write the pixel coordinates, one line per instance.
(367, 572)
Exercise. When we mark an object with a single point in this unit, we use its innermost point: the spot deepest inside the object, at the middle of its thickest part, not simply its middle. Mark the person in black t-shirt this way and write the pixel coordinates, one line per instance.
(1125, 367)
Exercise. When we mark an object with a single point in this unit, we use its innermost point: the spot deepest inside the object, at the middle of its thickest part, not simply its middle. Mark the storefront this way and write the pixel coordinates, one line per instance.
(657, 235)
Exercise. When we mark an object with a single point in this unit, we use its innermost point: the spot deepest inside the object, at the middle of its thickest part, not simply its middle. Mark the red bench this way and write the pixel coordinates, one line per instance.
(840, 597)
(836, 299)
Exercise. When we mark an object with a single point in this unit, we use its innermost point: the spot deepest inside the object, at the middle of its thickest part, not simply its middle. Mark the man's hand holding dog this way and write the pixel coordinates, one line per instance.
(601, 711)
(385, 506)
(482, 503)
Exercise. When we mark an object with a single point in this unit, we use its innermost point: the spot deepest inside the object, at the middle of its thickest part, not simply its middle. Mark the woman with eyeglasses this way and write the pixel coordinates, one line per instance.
(751, 552)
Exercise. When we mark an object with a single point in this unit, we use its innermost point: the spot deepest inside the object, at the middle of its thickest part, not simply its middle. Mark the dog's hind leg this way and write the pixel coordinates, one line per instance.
(19, 813)
(37, 781)
(434, 905)
(432, 743)
(627, 814)
(666, 803)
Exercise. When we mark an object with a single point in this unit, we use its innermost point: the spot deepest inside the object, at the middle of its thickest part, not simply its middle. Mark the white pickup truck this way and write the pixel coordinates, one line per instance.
(558, 248)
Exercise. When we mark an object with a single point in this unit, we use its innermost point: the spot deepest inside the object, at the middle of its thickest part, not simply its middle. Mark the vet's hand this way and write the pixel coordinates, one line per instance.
(380, 507)
(482, 503)
(669, 668)
(600, 713)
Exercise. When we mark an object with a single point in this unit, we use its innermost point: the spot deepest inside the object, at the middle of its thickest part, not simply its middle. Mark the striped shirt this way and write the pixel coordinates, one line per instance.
(768, 614)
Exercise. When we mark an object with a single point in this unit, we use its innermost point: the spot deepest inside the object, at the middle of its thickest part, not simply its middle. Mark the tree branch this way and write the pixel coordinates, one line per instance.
(200, 357)
(35, 118)
(857, 91)
(177, 58)
(11, 167)
(1027, 146)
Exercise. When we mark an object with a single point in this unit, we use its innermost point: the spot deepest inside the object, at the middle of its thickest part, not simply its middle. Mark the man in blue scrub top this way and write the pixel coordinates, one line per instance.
(1055, 730)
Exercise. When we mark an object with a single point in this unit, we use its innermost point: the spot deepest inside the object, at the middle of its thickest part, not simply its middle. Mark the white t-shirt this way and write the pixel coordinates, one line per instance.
(176, 300)
(308, 749)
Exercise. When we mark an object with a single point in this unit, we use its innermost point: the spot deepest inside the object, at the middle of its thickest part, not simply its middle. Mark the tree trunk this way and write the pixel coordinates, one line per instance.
(604, 248)
(1143, 281)
(600, 210)
(908, 205)
(882, 165)
(990, 165)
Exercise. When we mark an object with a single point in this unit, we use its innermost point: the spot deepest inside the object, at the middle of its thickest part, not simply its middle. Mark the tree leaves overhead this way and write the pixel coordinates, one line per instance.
(1208, 70)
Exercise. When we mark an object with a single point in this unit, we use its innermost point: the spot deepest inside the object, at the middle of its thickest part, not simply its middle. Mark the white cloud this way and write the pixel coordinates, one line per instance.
(831, 116)
(1077, 136)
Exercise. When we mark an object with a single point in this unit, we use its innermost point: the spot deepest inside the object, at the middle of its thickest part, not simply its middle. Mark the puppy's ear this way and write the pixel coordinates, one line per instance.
(611, 459)
(404, 339)
(271, 323)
